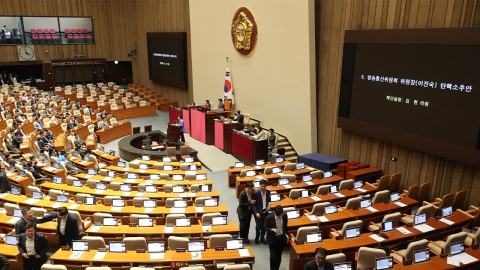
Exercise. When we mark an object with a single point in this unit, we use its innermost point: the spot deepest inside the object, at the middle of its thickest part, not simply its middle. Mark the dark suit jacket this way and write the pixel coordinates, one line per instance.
(71, 228)
(147, 143)
(240, 118)
(41, 245)
(5, 184)
(243, 204)
(312, 265)
(258, 205)
(270, 224)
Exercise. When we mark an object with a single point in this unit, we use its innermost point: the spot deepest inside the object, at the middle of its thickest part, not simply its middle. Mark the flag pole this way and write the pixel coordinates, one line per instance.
(227, 61)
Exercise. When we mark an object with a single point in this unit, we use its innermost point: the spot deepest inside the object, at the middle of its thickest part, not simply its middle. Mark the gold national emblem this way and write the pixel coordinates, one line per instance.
(244, 31)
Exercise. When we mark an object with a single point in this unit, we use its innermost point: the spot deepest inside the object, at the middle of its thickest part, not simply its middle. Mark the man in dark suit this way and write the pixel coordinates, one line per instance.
(245, 211)
(239, 118)
(67, 227)
(5, 184)
(319, 261)
(147, 142)
(4, 263)
(17, 141)
(277, 231)
(260, 210)
(33, 247)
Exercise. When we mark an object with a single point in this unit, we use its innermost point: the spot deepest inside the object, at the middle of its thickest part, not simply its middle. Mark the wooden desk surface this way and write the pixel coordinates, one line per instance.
(8, 250)
(105, 157)
(316, 183)
(142, 181)
(113, 133)
(175, 164)
(257, 168)
(149, 171)
(160, 229)
(436, 262)
(364, 171)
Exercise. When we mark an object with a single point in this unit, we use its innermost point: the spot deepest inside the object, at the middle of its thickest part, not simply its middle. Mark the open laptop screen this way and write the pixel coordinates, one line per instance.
(327, 174)
(62, 198)
(154, 177)
(447, 211)
(279, 159)
(121, 164)
(15, 191)
(125, 187)
(219, 220)
(101, 186)
(307, 178)
(145, 157)
(118, 247)
(395, 196)
(333, 189)
(250, 173)
(110, 221)
(314, 237)
(79, 245)
(11, 240)
(17, 213)
(275, 197)
(151, 188)
(233, 244)
(149, 203)
(201, 176)
(239, 165)
(283, 181)
(388, 226)
(260, 162)
(143, 166)
(156, 247)
(457, 248)
(92, 171)
(384, 263)
(177, 177)
(293, 214)
(182, 222)
(331, 209)
(422, 255)
(168, 167)
(342, 266)
(179, 203)
(57, 180)
(118, 202)
(352, 232)
(300, 166)
(145, 222)
(196, 246)
(189, 159)
(276, 170)
(205, 188)
(365, 203)
(420, 219)
(304, 194)
(177, 189)
(358, 184)
(211, 202)
(89, 200)
(131, 175)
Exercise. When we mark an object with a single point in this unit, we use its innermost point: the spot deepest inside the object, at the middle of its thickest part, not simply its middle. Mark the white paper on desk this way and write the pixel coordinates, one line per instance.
(99, 256)
(196, 255)
(400, 204)
(76, 255)
(98, 191)
(453, 261)
(361, 189)
(3, 195)
(376, 237)
(148, 182)
(73, 206)
(221, 264)
(309, 183)
(371, 209)
(258, 167)
(315, 198)
(280, 174)
(139, 194)
(50, 169)
(125, 169)
(177, 210)
(94, 228)
(446, 221)
(168, 230)
(206, 228)
(107, 178)
(199, 209)
(424, 228)
(116, 209)
(259, 177)
(13, 220)
(31, 201)
(323, 219)
(287, 186)
(312, 218)
(183, 195)
(465, 258)
(243, 252)
(87, 176)
(103, 155)
(156, 256)
(338, 194)
(96, 150)
(56, 205)
(148, 210)
(126, 193)
(403, 230)
(9, 173)
(83, 162)
(191, 194)
(130, 181)
(142, 171)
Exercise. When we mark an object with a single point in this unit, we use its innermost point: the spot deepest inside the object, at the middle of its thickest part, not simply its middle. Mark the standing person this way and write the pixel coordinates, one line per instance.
(104, 75)
(147, 142)
(33, 81)
(5, 185)
(271, 139)
(27, 217)
(319, 262)
(277, 231)
(260, 210)
(245, 211)
(182, 128)
(4, 263)
(33, 247)
(95, 77)
(67, 227)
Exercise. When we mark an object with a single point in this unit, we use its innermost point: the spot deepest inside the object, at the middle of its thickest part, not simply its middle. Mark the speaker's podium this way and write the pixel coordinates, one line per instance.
(201, 124)
(173, 132)
(247, 149)
(223, 134)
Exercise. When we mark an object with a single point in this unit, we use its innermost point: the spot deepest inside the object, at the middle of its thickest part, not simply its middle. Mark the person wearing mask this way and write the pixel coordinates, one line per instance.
(245, 211)
(260, 210)
(277, 232)
(239, 117)
(320, 261)
(33, 248)
(67, 227)
(5, 184)
(181, 124)
(220, 104)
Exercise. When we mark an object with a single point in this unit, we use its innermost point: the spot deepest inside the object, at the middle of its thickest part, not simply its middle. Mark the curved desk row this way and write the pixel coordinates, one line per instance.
(137, 181)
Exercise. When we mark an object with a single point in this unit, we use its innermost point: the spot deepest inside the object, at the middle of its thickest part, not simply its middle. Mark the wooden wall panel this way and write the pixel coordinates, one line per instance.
(333, 17)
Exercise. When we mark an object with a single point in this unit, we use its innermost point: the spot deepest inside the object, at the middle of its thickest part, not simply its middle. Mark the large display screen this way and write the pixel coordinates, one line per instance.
(167, 58)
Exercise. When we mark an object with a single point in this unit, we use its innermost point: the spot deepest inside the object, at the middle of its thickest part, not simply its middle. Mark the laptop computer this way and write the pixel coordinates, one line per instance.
(307, 178)
(250, 173)
(180, 204)
(56, 165)
(313, 237)
(192, 167)
(331, 209)
(118, 202)
(304, 194)
(79, 245)
(151, 189)
(260, 162)
(276, 170)
(125, 187)
(388, 226)
(156, 247)
(11, 240)
(154, 176)
(279, 159)
(166, 159)
(202, 176)
(189, 159)
(143, 166)
(62, 198)
(196, 246)
(57, 180)
(37, 195)
(77, 183)
(239, 164)
(168, 167)
(333, 189)
(150, 203)
(86, 158)
(111, 152)
(121, 164)
(365, 203)
(275, 197)
(89, 201)
(178, 189)
(384, 263)
(342, 266)
(422, 255)
(182, 222)
(219, 220)
(15, 191)
(420, 219)
(394, 196)
(447, 211)
(117, 247)
(283, 181)
(205, 188)
(300, 166)
(177, 177)
(457, 248)
(92, 171)
(358, 184)
(327, 174)
(144, 157)
(101, 186)
(233, 244)
(256, 183)
(131, 175)
(210, 202)
(110, 221)
(102, 148)
(293, 214)
(352, 232)
(22, 173)
(17, 213)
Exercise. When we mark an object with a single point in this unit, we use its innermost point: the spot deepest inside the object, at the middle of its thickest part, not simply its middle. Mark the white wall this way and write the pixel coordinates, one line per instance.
(9, 22)
(75, 23)
(40, 23)
(277, 81)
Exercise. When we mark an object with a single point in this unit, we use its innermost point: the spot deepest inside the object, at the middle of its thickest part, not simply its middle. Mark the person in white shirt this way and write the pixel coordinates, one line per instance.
(33, 248)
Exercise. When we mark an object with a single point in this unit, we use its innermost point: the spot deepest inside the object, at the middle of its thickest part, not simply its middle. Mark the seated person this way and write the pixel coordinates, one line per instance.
(38, 124)
(17, 141)
(18, 120)
(208, 104)
(38, 177)
(36, 114)
(11, 149)
(18, 111)
(71, 124)
(49, 135)
(83, 151)
(220, 104)
(77, 105)
(103, 114)
(262, 134)
(78, 142)
(252, 131)
(239, 117)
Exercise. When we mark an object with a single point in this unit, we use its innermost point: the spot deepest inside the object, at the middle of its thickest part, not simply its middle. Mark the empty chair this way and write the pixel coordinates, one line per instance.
(95, 242)
(190, 175)
(10, 208)
(446, 200)
(389, 217)
(168, 188)
(172, 153)
(407, 254)
(428, 209)
(207, 218)
(290, 167)
(108, 199)
(319, 208)
(295, 192)
(336, 258)
(473, 237)
(367, 256)
(439, 247)
(170, 218)
(98, 217)
(38, 212)
(158, 166)
(82, 224)
(31, 189)
(53, 194)
(424, 190)
(48, 266)
(268, 170)
(323, 189)
(412, 192)
(80, 197)
(459, 199)
(219, 240)
(353, 203)
(96, 164)
(242, 266)
(302, 233)
(134, 217)
(346, 184)
(395, 182)
(134, 243)
(134, 165)
(201, 200)
(184, 167)
(381, 196)
(382, 183)
(91, 183)
(175, 242)
(113, 121)
(139, 200)
(334, 233)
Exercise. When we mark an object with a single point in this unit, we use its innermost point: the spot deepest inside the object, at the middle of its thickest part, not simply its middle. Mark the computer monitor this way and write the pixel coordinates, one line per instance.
(168, 167)
(117, 247)
(179, 203)
(327, 174)
(447, 211)
(219, 220)
(422, 255)
(342, 266)
(260, 162)
(256, 183)
(102, 148)
(17, 213)
(57, 180)
(144, 157)
(150, 203)
(118, 202)
(210, 202)
(56, 165)
(196, 246)
(177, 189)
(151, 189)
(313, 237)
(45, 160)
(331, 209)
(283, 181)
(75, 154)
(188, 159)
(12, 169)
(365, 203)
(250, 173)
(388, 226)
(156, 247)
(125, 187)
(233, 244)
(304, 194)
(110, 221)
(293, 214)
(86, 158)
(77, 183)
(11, 240)
(79, 245)
(62, 198)
(121, 164)
(333, 189)
(202, 176)
(111, 153)
(300, 166)
(37, 195)
(275, 197)
(182, 222)
(352, 232)
(166, 159)
(307, 178)
(112, 174)
(205, 188)
(358, 184)
(131, 175)
(92, 171)
(420, 219)
(101, 186)
(239, 164)
(192, 167)
(154, 176)
(394, 196)
(279, 159)
(276, 170)
(143, 166)
(457, 248)
(15, 191)
(384, 263)
(177, 177)
(22, 173)
(89, 201)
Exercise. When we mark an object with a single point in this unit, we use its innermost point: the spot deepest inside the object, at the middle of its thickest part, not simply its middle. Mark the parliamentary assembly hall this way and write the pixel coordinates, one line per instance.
(239, 134)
